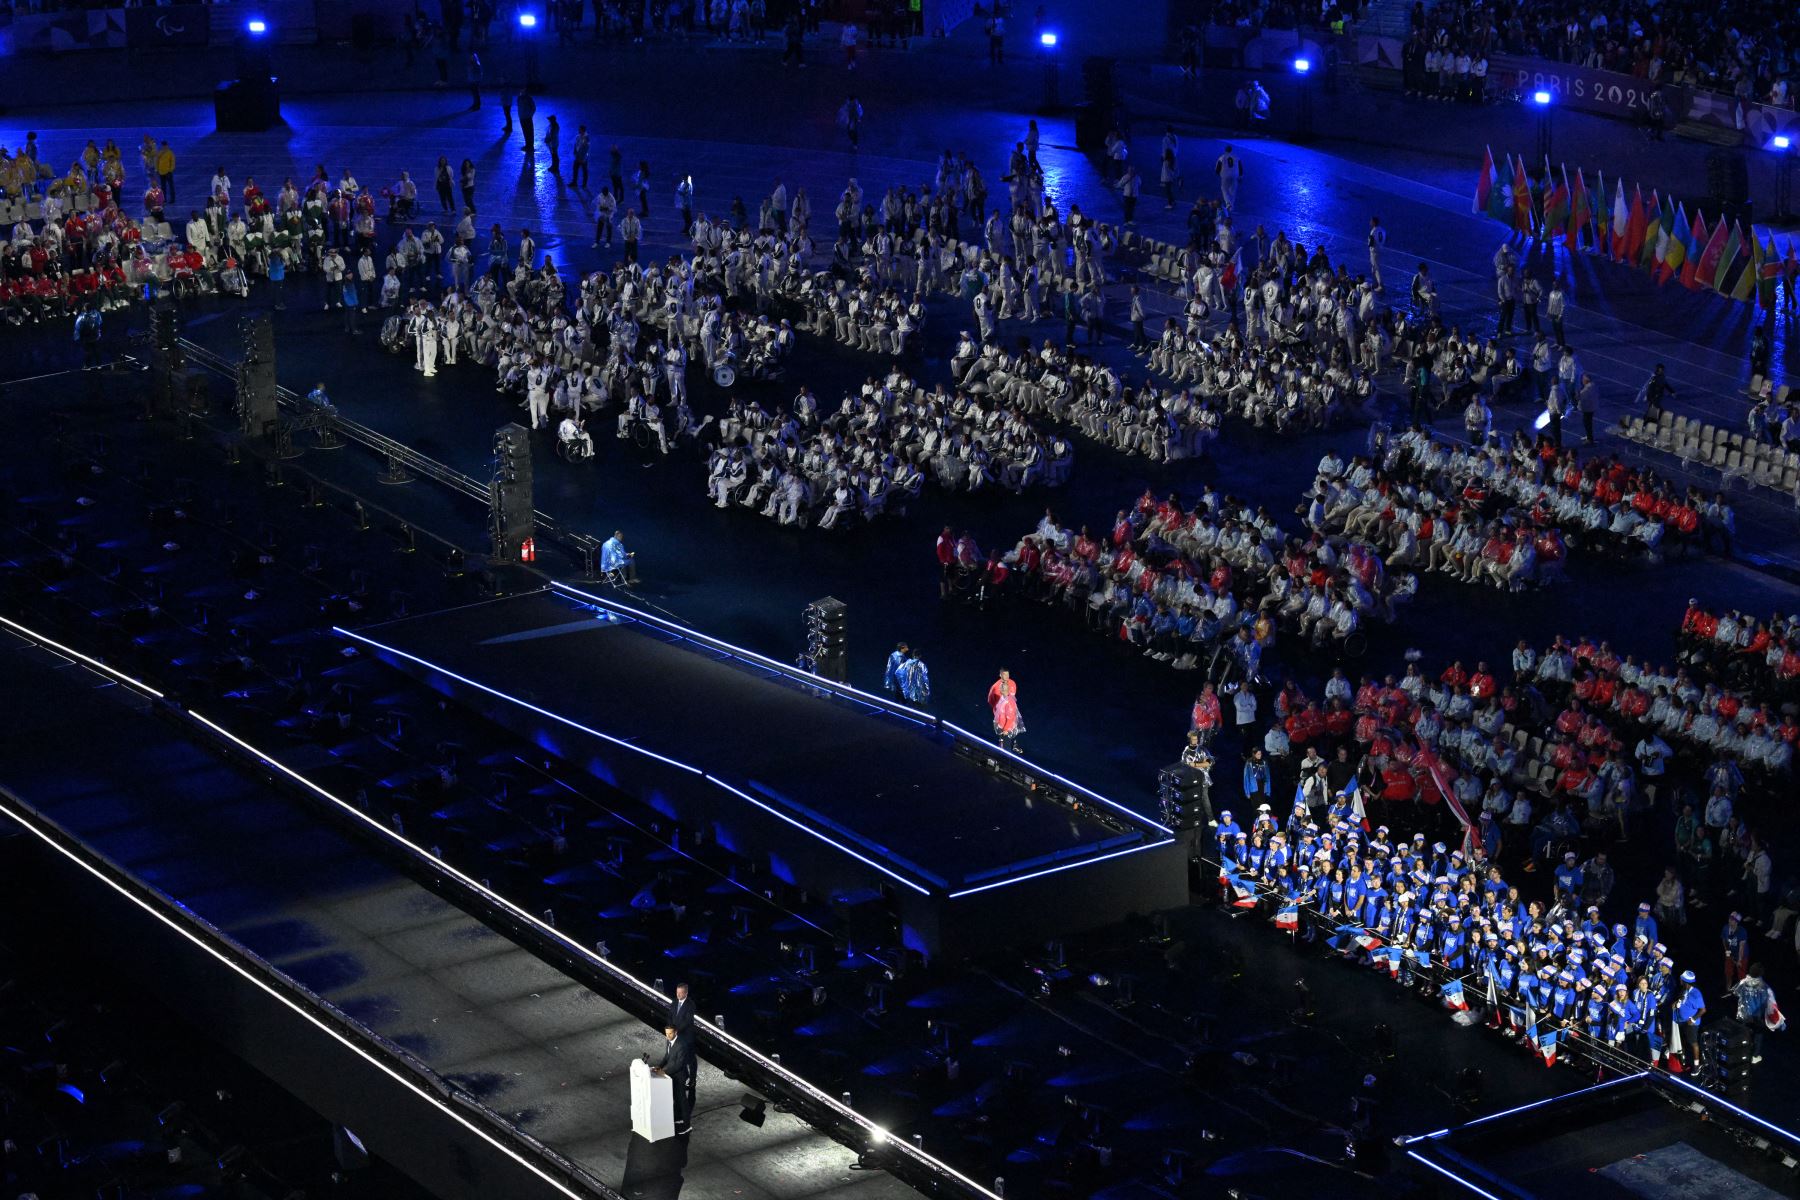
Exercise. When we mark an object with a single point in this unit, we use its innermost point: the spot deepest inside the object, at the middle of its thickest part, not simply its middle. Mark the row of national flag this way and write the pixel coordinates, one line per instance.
(1655, 235)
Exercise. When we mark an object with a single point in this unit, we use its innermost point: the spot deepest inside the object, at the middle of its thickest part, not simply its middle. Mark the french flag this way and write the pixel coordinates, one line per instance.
(1394, 954)
(1367, 941)
(1547, 1047)
(1288, 917)
(1453, 996)
(1243, 895)
(1354, 791)
(1676, 1051)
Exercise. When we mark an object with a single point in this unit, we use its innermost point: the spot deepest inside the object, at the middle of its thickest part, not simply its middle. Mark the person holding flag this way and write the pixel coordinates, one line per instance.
(1684, 1025)
(1757, 1008)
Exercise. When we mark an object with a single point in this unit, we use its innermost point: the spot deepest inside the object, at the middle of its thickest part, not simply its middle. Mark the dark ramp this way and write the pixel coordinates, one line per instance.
(836, 790)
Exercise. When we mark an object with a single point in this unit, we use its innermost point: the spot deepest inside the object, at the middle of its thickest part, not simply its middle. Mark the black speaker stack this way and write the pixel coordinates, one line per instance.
(166, 363)
(1725, 1050)
(1186, 797)
(1099, 109)
(251, 102)
(511, 514)
(258, 411)
(828, 639)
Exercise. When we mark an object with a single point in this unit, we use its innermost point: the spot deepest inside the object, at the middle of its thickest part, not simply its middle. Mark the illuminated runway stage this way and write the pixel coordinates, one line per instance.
(834, 790)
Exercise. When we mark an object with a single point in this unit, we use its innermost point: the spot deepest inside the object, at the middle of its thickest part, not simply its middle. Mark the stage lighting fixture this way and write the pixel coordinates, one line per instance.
(877, 1135)
(1540, 98)
(1302, 65)
(1047, 38)
(1781, 141)
(527, 20)
(751, 1108)
(256, 27)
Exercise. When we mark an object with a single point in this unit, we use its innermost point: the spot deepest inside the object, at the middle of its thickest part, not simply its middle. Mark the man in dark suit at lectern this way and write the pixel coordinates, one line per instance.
(681, 1016)
(678, 1064)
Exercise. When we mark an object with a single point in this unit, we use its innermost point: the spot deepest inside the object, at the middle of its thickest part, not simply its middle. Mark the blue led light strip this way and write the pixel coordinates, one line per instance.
(510, 698)
(1086, 862)
(1451, 1175)
(1068, 783)
(1745, 1113)
(32, 635)
(1513, 1112)
(769, 808)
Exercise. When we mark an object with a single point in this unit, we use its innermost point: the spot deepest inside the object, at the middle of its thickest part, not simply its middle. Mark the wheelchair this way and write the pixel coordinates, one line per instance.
(393, 335)
(570, 450)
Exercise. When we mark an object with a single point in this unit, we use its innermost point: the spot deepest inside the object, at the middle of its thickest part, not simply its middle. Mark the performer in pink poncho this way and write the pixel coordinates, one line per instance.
(1003, 699)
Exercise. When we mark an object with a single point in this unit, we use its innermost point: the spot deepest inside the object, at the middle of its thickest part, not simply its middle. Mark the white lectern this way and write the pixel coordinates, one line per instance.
(652, 1103)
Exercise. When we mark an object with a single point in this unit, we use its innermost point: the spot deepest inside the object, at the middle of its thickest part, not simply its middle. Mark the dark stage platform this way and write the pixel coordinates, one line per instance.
(836, 790)
(1650, 1136)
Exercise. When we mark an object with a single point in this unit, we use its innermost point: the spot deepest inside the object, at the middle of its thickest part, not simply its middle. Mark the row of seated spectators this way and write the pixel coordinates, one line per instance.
(1212, 585)
(1163, 424)
(1313, 337)
(1744, 47)
(876, 451)
(1507, 510)
(1756, 661)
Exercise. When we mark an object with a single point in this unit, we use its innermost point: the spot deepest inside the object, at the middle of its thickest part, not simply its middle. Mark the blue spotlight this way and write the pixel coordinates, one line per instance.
(1302, 65)
(1047, 38)
(1540, 98)
(527, 20)
(257, 26)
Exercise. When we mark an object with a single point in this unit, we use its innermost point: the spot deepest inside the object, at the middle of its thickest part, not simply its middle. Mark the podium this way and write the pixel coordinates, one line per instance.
(652, 1103)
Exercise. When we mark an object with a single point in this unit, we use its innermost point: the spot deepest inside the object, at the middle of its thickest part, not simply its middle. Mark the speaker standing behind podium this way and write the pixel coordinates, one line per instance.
(681, 1016)
(678, 1064)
